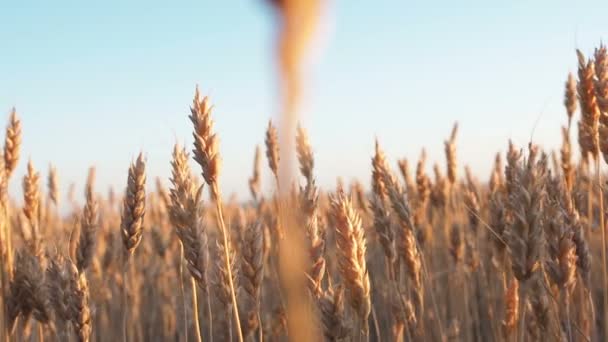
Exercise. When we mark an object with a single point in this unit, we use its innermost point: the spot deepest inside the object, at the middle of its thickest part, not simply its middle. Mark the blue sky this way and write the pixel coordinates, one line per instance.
(95, 84)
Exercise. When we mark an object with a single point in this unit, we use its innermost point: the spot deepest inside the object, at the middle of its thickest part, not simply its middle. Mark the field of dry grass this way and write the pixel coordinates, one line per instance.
(519, 256)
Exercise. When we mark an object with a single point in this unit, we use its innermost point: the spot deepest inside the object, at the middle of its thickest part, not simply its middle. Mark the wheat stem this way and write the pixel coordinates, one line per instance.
(210, 314)
(197, 326)
(603, 228)
(224, 232)
(182, 290)
(125, 299)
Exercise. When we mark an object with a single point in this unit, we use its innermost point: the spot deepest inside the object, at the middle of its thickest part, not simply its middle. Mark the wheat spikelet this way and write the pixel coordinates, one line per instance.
(134, 206)
(304, 152)
(474, 210)
(185, 212)
(31, 193)
(561, 266)
(12, 143)
(331, 306)
(585, 141)
(496, 176)
(423, 191)
(570, 100)
(27, 293)
(603, 141)
(471, 182)
(206, 142)
(252, 270)
(255, 182)
(272, 148)
(379, 167)
(399, 310)
(382, 225)
(583, 255)
(158, 241)
(589, 109)
(53, 185)
(163, 194)
(423, 184)
(509, 324)
(404, 169)
(3, 185)
(456, 245)
(566, 160)
(562, 269)
(513, 157)
(358, 193)
(411, 256)
(407, 246)
(88, 226)
(308, 202)
(71, 195)
(58, 287)
(601, 83)
(382, 222)
(497, 207)
(439, 191)
(540, 325)
(79, 311)
(31, 208)
(450, 155)
(351, 244)
(601, 95)
(317, 251)
(525, 235)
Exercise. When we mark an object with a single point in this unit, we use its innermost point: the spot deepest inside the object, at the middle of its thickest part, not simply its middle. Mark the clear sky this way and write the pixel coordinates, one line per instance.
(96, 83)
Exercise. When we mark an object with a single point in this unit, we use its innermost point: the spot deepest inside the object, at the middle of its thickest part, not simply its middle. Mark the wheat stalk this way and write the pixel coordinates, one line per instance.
(131, 224)
(206, 154)
(185, 211)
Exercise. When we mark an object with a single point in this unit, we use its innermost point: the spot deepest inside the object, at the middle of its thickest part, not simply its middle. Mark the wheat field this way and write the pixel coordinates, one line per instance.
(402, 256)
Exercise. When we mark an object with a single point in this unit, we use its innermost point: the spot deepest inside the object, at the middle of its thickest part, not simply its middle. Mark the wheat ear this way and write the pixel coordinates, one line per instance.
(88, 226)
(351, 245)
(12, 143)
(252, 270)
